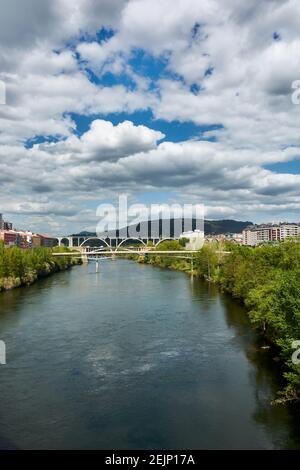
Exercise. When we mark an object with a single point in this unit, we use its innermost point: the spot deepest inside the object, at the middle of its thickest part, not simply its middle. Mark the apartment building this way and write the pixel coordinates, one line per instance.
(289, 230)
(9, 237)
(5, 225)
(265, 233)
(47, 241)
(26, 239)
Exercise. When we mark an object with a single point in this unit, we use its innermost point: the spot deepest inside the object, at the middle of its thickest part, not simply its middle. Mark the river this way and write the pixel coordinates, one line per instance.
(135, 357)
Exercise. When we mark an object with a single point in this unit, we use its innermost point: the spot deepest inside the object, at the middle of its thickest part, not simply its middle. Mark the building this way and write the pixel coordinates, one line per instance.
(275, 234)
(265, 233)
(249, 237)
(9, 237)
(5, 225)
(46, 241)
(36, 241)
(195, 239)
(8, 226)
(24, 239)
(234, 237)
(289, 230)
(222, 237)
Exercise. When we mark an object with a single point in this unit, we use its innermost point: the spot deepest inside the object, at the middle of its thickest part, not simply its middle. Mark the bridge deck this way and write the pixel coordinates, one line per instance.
(134, 252)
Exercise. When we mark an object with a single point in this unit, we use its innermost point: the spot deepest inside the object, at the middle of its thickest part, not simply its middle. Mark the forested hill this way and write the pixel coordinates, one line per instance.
(211, 227)
(215, 227)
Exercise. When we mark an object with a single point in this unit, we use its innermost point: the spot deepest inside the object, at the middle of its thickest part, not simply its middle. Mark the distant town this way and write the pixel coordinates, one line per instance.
(257, 234)
(23, 238)
(252, 235)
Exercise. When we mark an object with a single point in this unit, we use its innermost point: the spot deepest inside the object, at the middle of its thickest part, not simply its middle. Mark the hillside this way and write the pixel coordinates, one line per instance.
(211, 227)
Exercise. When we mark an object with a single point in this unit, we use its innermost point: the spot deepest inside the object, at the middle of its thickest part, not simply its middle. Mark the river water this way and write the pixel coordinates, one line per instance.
(135, 357)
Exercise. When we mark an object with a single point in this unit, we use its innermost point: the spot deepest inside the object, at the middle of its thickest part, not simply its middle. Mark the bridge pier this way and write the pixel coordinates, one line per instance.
(84, 256)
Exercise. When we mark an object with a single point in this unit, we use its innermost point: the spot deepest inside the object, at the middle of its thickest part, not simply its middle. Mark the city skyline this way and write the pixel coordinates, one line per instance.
(158, 100)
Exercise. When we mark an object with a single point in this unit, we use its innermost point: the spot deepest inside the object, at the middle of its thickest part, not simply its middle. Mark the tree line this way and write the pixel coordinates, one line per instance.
(23, 267)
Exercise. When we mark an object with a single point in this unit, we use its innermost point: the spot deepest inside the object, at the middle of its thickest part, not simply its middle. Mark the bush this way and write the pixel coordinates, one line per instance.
(23, 267)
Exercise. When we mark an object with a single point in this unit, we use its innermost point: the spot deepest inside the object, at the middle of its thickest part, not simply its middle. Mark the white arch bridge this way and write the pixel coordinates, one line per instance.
(77, 241)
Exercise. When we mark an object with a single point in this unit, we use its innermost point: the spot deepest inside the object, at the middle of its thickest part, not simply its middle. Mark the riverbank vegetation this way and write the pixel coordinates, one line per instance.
(20, 267)
(267, 280)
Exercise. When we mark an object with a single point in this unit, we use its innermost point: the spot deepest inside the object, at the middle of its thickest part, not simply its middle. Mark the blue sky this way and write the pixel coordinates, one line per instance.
(175, 131)
(285, 167)
(154, 99)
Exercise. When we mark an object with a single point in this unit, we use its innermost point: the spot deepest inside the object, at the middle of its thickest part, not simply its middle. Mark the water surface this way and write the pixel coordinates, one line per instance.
(135, 357)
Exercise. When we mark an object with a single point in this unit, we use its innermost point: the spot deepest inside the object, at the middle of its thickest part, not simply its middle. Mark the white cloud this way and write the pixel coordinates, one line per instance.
(242, 55)
(105, 142)
(30, 22)
(86, 170)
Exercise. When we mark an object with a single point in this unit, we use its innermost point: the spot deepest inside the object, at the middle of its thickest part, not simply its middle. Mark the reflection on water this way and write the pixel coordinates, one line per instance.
(135, 357)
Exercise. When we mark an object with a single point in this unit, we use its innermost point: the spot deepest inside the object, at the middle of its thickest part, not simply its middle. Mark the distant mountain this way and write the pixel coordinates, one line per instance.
(155, 228)
(215, 227)
(83, 234)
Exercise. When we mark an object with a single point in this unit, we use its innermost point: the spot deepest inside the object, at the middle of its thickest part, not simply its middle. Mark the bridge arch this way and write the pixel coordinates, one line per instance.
(130, 238)
(57, 240)
(95, 238)
(165, 239)
(64, 241)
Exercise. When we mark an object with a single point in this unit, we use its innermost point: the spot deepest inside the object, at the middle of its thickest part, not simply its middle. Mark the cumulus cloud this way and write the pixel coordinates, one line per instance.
(202, 171)
(30, 22)
(105, 142)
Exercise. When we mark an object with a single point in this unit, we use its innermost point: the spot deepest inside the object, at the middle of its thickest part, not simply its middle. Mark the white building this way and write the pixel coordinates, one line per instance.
(195, 239)
(250, 237)
(289, 230)
(269, 233)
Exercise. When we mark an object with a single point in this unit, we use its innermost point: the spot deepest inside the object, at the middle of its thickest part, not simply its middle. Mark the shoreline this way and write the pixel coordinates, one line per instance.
(10, 283)
(24, 268)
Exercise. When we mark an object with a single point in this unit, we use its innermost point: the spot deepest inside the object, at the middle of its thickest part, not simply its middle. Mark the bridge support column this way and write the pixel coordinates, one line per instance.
(84, 257)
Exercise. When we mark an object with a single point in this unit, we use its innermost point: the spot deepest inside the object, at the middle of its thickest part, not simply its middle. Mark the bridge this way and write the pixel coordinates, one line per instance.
(110, 253)
(73, 241)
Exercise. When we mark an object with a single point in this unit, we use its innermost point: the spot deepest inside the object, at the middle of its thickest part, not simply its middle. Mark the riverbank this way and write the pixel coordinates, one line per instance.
(266, 279)
(24, 267)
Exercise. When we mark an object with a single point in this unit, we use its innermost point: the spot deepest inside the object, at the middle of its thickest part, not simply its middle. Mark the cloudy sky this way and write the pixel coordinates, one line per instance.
(183, 101)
